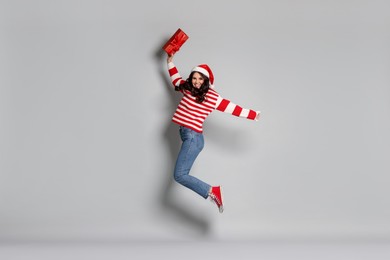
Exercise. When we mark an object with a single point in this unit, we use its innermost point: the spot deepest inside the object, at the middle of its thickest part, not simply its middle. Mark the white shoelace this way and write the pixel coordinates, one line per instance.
(214, 199)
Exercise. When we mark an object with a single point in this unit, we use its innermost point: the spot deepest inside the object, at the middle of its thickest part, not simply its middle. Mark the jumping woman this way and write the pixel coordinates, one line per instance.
(198, 101)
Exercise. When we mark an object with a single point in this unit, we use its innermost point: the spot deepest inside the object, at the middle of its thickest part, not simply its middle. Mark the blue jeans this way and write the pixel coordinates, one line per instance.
(193, 143)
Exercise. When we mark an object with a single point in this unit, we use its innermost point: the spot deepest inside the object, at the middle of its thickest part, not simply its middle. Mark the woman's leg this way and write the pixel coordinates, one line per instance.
(193, 143)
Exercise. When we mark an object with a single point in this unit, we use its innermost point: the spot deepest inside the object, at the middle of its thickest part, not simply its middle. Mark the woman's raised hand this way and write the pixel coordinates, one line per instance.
(170, 58)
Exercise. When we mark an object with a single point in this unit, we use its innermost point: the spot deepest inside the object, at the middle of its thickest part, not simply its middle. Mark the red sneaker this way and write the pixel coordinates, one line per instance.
(216, 197)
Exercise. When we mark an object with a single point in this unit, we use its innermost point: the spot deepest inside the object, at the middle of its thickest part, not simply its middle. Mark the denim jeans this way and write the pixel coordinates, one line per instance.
(193, 143)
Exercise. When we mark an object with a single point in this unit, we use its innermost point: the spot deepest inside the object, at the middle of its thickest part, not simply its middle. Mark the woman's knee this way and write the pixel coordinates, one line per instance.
(179, 177)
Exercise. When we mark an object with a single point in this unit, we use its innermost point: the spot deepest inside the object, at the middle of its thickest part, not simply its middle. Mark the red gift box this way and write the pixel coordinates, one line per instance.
(175, 42)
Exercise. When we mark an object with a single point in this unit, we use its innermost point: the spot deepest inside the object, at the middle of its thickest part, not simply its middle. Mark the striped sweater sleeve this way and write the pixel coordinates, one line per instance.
(227, 106)
(174, 74)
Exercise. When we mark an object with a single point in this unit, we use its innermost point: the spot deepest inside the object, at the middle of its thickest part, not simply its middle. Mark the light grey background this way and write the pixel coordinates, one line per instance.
(87, 147)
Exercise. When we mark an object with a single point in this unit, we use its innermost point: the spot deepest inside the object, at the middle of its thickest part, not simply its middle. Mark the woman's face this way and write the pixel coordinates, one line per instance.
(197, 80)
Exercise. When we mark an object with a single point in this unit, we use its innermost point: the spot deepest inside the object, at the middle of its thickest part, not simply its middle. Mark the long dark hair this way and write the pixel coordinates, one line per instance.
(198, 93)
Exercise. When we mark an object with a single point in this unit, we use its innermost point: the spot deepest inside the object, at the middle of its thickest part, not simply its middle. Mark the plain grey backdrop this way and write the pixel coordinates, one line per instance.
(87, 148)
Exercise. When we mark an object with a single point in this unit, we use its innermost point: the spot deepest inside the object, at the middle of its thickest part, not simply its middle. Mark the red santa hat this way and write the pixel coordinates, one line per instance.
(205, 70)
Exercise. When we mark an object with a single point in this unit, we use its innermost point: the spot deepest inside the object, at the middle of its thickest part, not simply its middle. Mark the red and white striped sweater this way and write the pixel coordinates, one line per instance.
(192, 114)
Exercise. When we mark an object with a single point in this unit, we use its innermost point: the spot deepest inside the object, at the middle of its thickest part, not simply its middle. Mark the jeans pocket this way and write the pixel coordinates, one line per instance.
(186, 133)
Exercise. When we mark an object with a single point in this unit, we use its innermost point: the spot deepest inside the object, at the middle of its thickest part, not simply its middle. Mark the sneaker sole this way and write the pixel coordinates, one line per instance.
(221, 208)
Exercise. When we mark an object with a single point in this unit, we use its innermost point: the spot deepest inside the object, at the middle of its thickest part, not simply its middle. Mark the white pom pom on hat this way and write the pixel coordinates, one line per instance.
(205, 70)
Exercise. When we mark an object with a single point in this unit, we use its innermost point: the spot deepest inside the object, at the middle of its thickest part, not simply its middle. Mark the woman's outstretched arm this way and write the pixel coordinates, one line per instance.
(225, 105)
(176, 79)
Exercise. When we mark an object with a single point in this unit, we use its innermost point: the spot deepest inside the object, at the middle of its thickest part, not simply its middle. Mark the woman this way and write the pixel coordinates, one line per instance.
(198, 101)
